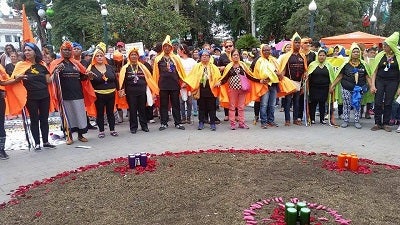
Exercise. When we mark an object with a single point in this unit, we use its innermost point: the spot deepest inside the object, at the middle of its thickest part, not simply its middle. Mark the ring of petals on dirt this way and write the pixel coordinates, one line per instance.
(278, 215)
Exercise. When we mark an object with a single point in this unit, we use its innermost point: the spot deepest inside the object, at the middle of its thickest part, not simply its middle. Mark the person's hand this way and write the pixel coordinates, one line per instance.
(91, 75)
(59, 67)
(280, 76)
(121, 93)
(21, 77)
(183, 85)
(373, 89)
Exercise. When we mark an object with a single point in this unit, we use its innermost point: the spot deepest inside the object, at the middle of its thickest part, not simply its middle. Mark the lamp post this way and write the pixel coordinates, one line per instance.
(373, 23)
(48, 28)
(19, 42)
(104, 13)
(312, 7)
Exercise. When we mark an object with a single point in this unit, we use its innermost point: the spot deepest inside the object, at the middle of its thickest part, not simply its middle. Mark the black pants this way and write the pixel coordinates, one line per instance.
(313, 109)
(301, 108)
(165, 97)
(384, 96)
(2, 117)
(149, 113)
(207, 107)
(137, 105)
(257, 106)
(39, 112)
(106, 101)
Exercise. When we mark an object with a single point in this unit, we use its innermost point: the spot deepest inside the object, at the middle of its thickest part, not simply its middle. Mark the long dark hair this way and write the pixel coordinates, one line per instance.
(38, 53)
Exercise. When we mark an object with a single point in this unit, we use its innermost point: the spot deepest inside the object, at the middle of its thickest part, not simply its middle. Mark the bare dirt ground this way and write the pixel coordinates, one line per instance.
(210, 188)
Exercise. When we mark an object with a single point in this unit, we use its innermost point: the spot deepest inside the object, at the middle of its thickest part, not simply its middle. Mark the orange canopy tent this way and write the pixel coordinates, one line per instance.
(346, 40)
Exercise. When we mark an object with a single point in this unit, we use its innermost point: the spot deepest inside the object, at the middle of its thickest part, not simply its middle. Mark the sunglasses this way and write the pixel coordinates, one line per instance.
(229, 46)
(306, 42)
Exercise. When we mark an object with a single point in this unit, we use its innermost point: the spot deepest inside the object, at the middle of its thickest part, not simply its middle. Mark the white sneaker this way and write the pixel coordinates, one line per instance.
(398, 129)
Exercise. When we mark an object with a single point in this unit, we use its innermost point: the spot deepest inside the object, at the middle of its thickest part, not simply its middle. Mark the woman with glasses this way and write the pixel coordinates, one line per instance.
(385, 82)
(224, 59)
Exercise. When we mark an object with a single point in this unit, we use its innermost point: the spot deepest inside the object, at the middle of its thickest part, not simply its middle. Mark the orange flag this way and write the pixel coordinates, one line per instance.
(27, 35)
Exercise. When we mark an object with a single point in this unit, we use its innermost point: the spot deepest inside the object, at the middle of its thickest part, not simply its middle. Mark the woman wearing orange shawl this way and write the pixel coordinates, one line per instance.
(293, 65)
(104, 84)
(4, 80)
(35, 94)
(134, 78)
(231, 93)
(74, 92)
(169, 73)
(204, 78)
(266, 67)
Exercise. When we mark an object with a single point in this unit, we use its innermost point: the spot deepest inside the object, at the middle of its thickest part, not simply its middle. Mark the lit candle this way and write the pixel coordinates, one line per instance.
(291, 216)
(305, 216)
(287, 206)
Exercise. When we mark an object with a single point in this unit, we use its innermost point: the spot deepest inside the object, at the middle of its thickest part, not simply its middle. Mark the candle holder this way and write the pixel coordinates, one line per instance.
(347, 161)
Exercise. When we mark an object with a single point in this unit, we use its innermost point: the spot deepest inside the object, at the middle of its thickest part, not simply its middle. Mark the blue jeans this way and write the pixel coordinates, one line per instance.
(296, 98)
(267, 105)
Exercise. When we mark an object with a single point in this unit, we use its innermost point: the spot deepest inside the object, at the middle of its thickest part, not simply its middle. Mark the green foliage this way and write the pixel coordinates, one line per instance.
(394, 19)
(247, 42)
(272, 16)
(331, 18)
(235, 14)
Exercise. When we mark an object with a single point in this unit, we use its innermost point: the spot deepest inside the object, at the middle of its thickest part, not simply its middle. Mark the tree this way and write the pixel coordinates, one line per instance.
(272, 16)
(331, 18)
(247, 42)
(235, 14)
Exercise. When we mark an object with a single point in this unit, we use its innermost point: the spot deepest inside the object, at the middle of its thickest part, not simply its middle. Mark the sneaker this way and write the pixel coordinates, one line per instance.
(398, 129)
(163, 127)
(264, 126)
(37, 148)
(152, 121)
(48, 145)
(213, 127)
(91, 127)
(233, 126)
(376, 127)
(322, 122)
(312, 121)
(180, 126)
(357, 125)
(387, 128)
(201, 126)
(344, 124)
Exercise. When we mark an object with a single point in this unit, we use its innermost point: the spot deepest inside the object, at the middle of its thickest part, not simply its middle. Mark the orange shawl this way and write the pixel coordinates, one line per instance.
(17, 94)
(89, 96)
(177, 63)
(256, 89)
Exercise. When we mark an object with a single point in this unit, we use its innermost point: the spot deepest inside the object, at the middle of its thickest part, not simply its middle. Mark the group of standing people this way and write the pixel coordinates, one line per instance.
(40, 85)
